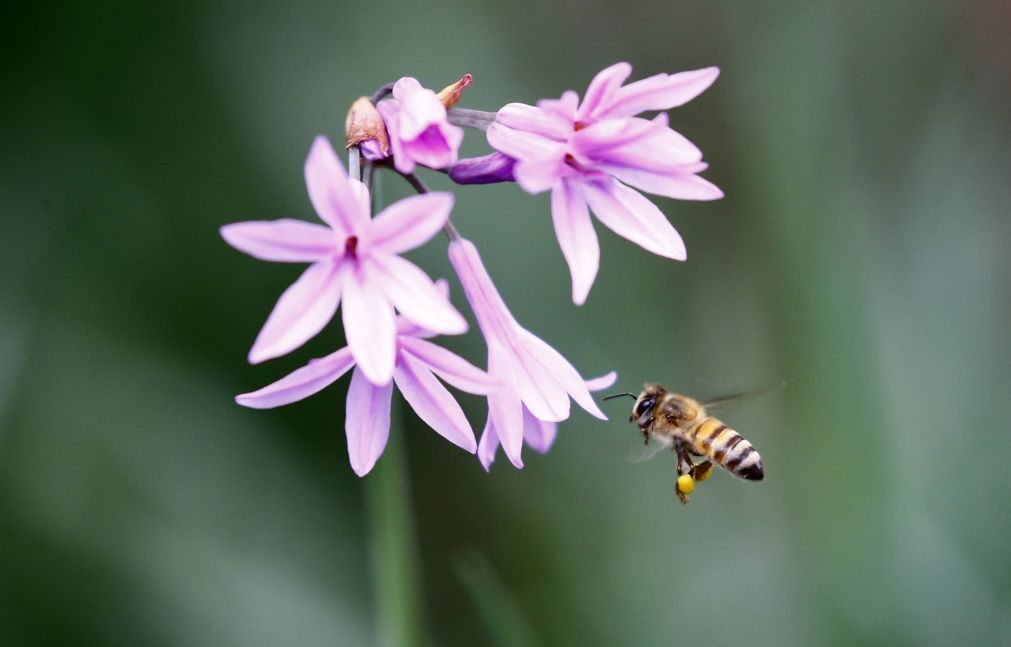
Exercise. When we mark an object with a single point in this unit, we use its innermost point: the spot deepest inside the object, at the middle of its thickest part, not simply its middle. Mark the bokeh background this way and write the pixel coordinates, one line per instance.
(861, 254)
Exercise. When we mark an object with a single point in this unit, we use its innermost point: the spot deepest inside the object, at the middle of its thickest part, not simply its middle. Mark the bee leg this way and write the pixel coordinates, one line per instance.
(684, 460)
(702, 471)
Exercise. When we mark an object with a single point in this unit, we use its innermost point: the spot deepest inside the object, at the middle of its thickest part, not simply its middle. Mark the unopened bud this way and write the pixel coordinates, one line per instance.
(364, 127)
(450, 95)
(483, 170)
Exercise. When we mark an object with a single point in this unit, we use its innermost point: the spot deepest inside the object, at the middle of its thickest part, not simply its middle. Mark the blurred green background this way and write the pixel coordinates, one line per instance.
(861, 254)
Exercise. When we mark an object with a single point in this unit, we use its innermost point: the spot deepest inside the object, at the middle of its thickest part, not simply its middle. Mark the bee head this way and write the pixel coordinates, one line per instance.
(642, 410)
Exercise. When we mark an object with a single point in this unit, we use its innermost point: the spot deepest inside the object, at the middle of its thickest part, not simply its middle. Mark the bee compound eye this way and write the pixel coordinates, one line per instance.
(645, 405)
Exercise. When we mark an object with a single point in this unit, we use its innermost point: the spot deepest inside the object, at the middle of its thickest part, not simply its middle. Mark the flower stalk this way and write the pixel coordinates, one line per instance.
(470, 118)
(354, 163)
(399, 610)
(418, 185)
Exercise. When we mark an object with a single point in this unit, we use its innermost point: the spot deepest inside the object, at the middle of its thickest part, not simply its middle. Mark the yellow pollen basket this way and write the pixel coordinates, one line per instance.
(685, 484)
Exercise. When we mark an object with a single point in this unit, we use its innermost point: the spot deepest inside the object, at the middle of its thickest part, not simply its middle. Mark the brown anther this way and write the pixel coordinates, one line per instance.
(351, 246)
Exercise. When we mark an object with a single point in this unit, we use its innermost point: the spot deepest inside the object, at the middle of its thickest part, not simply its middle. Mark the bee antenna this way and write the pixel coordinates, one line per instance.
(619, 395)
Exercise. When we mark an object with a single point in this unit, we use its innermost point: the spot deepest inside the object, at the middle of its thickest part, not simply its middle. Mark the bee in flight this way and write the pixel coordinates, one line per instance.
(681, 423)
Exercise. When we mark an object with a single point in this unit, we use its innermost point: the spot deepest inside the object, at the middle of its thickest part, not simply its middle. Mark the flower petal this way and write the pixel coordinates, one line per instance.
(576, 237)
(607, 134)
(488, 446)
(367, 421)
(540, 435)
(302, 311)
(659, 92)
(660, 149)
(680, 185)
(414, 294)
(504, 407)
(550, 124)
(410, 222)
(330, 190)
(436, 147)
(536, 384)
(390, 111)
(369, 326)
(567, 376)
(407, 328)
(603, 86)
(301, 383)
(539, 176)
(419, 107)
(490, 310)
(602, 382)
(630, 215)
(433, 403)
(523, 145)
(564, 108)
(449, 366)
(285, 240)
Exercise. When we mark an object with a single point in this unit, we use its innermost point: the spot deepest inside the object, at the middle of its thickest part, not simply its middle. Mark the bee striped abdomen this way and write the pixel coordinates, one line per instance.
(727, 448)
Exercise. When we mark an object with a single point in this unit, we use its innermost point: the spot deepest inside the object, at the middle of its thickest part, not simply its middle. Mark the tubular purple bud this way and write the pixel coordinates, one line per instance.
(483, 170)
(364, 126)
(450, 95)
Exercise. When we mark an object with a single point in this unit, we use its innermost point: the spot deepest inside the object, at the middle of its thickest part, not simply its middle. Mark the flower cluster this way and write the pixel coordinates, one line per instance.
(591, 155)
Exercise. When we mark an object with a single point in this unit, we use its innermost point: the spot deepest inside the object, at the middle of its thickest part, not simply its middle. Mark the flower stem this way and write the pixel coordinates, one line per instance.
(468, 118)
(380, 94)
(421, 187)
(368, 176)
(399, 617)
(354, 163)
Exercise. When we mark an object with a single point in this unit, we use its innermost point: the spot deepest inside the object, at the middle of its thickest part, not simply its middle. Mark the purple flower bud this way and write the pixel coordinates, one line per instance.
(483, 170)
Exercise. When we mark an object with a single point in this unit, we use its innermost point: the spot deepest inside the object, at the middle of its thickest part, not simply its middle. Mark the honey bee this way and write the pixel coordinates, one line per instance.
(682, 424)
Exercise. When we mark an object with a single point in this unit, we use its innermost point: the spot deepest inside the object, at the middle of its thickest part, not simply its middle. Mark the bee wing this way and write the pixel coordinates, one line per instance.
(641, 453)
(737, 398)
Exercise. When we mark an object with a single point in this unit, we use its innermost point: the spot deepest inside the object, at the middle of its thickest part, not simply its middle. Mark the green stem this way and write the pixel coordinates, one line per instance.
(395, 570)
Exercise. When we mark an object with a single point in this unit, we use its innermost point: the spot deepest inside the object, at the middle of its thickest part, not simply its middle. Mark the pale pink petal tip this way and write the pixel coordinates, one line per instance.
(302, 311)
(300, 384)
(603, 382)
(285, 240)
(488, 447)
(367, 422)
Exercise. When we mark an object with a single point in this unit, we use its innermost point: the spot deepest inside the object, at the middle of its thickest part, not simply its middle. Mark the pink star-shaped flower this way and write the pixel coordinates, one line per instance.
(367, 421)
(537, 381)
(590, 154)
(419, 129)
(355, 259)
